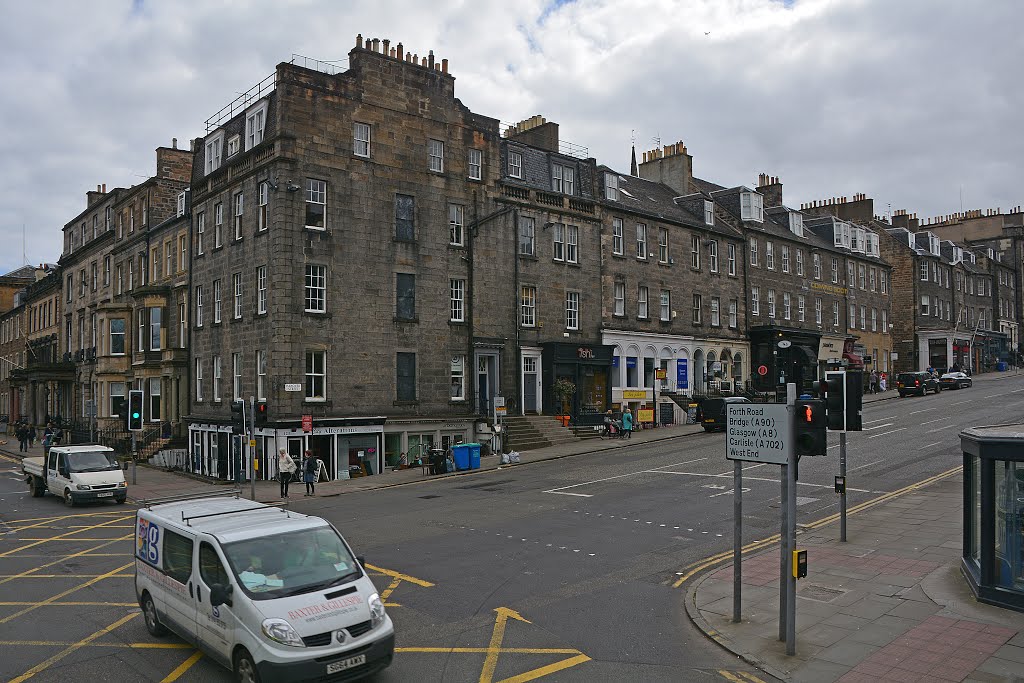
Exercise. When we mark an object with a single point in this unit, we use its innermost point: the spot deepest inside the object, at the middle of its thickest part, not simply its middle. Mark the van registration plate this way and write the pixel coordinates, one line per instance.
(108, 494)
(346, 664)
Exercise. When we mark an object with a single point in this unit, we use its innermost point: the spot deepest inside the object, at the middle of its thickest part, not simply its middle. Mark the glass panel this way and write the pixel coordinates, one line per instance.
(975, 521)
(1009, 500)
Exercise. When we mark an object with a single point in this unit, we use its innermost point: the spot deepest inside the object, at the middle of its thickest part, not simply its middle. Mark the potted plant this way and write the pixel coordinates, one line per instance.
(564, 389)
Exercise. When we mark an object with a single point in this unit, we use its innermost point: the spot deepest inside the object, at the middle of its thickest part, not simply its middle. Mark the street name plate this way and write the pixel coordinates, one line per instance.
(293, 387)
(758, 433)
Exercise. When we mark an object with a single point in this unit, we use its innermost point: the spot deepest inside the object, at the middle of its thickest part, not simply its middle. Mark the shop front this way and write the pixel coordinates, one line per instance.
(415, 437)
(589, 368)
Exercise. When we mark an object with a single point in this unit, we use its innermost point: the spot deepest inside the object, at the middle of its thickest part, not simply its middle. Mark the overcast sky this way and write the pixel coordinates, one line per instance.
(916, 103)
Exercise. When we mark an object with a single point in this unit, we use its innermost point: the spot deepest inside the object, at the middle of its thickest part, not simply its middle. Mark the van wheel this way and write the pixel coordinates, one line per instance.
(68, 500)
(245, 668)
(153, 624)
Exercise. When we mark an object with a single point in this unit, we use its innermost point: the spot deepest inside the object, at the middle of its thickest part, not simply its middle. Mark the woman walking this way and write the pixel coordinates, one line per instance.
(285, 469)
(310, 465)
(627, 423)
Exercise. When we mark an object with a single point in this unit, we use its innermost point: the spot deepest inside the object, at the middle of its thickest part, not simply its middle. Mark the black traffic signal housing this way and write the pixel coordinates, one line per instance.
(835, 400)
(122, 413)
(238, 417)
(854, 400)
(810, 437)
(135, 401)
(261, 414)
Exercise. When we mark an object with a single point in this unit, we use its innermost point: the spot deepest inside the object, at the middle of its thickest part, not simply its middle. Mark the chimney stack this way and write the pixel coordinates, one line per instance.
(359, 40)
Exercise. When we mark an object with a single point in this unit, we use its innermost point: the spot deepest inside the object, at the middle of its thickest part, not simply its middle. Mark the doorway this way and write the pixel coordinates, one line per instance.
(531, 382)
(322, 449)
(486, 381)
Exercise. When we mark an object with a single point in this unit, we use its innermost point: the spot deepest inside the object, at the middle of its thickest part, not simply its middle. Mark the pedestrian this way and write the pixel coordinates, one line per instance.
(31, 435)
(22, 433)
(874, 381)
(285, 469)
(882, 378)
(310, 468)
(627, 423)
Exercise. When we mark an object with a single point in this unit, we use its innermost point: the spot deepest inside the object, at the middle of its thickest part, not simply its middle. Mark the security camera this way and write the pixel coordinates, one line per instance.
(292, 187)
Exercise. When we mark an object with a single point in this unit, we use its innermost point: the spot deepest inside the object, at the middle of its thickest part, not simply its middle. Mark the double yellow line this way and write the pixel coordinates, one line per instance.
(690, 570)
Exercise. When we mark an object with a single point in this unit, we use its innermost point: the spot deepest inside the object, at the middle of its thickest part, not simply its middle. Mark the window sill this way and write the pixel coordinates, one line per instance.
(316, 314)
(405, 403)
(528, 257)
(261, 231)
(317, 401)
(313, 228)
(615, 255)
(237, 240)
(218, 248)
(414, 321)
(454, 246)
(457, 323)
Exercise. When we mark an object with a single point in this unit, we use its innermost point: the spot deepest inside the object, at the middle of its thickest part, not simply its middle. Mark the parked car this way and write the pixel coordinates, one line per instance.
(713, 411)
(917, 383)
(955, 380)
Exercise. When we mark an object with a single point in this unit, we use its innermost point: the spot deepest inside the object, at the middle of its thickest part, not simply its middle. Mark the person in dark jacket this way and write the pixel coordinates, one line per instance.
(310, 465)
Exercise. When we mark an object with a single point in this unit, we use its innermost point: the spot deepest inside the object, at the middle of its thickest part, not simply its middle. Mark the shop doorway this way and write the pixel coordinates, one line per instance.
(486, 382)
(322, 449)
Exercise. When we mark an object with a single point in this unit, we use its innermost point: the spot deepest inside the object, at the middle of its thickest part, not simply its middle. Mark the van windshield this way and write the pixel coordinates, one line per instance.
(92, 461)
(298, 562)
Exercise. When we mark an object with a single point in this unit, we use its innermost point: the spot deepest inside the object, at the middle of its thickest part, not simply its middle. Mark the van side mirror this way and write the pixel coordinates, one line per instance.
(361, 559)
(221, 595)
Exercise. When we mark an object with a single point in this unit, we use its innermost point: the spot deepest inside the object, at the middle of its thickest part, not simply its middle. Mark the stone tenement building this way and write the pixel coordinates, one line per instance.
(47, 372)
(26, 309)
(109, 334)
(332, 267)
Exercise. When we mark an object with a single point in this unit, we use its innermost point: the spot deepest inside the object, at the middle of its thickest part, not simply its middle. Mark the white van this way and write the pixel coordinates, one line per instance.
(272, 594)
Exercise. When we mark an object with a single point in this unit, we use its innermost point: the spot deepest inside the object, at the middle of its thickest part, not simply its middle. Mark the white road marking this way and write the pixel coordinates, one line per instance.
(875, 436)
(859, 467)
(939, 429)
(774, 481)
(915, 412)
(887, 424)
(868, 422)
(940, 419)
(561, 489)
(937, 443)
(958, 403)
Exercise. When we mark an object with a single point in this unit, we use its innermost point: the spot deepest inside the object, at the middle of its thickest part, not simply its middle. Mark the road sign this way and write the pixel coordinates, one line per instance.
(252, 443)
(499, 401)
(661, 373)
(293, 387)
(762, 370)
(758, 433)
(307, 423)
(500, 410)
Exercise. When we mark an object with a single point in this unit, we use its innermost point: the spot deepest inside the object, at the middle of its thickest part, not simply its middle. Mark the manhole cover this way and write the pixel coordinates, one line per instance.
(429, 497)
(820, 593)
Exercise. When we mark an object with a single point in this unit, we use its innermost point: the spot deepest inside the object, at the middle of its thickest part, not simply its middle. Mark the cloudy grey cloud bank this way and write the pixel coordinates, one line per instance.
(915, 103)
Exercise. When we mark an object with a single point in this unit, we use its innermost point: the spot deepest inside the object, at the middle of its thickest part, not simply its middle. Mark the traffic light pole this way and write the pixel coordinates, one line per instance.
(784, 549)
(252, 455)
(842, 494)
(135, 457)
(737, 538)
(790, 547)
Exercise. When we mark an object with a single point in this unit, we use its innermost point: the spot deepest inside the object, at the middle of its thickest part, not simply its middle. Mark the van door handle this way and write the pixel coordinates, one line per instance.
(190, 590)
(199, 593)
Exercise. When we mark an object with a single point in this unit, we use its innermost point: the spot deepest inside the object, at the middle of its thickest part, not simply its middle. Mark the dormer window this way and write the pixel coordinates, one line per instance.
(841, 235)
(858, 240)
(562, 178)
(611, 186)
(911, 242)
(214, 147)
(181, 205)
(233, 143)
(752, 207)
(933, 244)
(958, 254)
(255, 122)
(709, 212)
(796, 223)
(873, 249)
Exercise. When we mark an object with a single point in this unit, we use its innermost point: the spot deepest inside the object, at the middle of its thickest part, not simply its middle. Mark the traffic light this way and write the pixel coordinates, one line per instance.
(854, 400)
(122, 413)
(835, 399)
(238, 417)
(809, 434)
(261, 414)
(135, 401)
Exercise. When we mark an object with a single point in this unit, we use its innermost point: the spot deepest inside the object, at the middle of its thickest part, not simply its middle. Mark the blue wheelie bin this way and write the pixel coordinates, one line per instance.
(474, 456)
(460, 453)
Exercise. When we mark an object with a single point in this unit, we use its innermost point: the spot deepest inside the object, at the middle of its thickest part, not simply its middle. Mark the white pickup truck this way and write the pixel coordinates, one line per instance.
(78, 474)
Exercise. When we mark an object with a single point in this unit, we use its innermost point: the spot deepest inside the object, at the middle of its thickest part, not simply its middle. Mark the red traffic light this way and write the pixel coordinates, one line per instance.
(808, 414)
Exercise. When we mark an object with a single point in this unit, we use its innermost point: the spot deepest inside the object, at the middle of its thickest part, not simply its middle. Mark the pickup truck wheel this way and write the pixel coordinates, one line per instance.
(153, 624)
(36, 488)
(68, 500)
(245, 668)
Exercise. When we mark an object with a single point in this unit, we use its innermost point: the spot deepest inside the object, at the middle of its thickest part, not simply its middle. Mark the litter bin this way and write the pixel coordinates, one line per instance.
(1001, 366)
(460, 453)
(437, 465)
(474, 456)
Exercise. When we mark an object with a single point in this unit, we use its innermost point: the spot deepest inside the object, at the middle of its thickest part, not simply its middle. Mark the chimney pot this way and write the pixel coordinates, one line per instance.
(104, 188)
(392, 53)
(174, 143)
(430, 59)
(387, 46)
(400, 51)
(444, 66)
(359, 40)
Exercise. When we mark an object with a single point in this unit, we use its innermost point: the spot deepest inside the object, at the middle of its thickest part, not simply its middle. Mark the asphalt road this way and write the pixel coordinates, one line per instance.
(561, 570)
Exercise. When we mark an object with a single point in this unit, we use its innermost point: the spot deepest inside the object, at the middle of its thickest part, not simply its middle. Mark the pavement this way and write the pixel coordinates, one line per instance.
(888, 605)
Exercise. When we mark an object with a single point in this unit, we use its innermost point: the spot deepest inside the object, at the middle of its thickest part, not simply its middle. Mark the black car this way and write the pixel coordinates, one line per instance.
(713, 411)
(917, 383)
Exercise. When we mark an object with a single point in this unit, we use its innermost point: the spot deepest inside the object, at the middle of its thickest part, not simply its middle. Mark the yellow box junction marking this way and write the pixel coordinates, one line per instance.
(494, 650)
(182, 668)
(55, 598)
(64, 536)
(68, 650)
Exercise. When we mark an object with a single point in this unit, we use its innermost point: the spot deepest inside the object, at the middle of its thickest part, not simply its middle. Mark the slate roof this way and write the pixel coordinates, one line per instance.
(658, 201)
